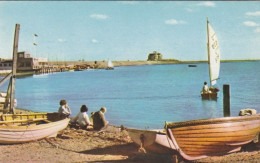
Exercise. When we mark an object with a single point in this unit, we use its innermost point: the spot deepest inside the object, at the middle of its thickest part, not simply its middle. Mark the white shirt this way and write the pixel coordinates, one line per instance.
(205, 88)
(82, 119)
(65, 110)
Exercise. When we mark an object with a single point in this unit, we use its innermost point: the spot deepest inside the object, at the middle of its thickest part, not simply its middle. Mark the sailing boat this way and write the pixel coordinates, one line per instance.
(214, 63)
(110, 65)
(25, 127)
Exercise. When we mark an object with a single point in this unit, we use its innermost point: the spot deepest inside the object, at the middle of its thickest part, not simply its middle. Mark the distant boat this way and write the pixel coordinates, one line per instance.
(151, 140)
(20, 128)
(214, 63)
(110, 65)
(192, 65)
(198, 139)
(78, 68)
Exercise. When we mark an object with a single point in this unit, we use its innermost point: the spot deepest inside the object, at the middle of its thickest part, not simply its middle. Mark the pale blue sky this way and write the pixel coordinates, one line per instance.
(73, 30)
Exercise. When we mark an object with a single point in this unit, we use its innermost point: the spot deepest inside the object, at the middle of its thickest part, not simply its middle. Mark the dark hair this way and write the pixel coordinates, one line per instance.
(63, 102)
(205, 83)
(83, 108)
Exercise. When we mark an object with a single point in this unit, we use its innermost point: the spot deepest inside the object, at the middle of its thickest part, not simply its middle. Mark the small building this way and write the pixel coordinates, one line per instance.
(24, 62)
(27, 63)
(154, 56)
(6, 64)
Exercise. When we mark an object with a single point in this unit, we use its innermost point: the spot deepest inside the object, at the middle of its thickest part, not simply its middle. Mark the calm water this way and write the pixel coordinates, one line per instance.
(143, 96)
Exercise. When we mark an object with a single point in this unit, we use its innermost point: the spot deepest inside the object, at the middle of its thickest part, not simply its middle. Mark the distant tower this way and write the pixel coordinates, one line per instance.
(154, 56)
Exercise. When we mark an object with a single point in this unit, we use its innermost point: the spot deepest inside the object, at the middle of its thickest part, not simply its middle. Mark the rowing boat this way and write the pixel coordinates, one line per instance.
(21, 128)
(198, 139)
(151, 140)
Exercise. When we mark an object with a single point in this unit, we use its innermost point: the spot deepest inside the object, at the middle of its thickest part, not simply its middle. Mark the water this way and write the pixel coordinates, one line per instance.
(143, 96)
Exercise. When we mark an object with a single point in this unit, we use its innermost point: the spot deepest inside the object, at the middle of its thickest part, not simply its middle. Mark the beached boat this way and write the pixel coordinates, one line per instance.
(20, 128)
(214, 63)
(110, 65)
(151, 140)
(198, 139)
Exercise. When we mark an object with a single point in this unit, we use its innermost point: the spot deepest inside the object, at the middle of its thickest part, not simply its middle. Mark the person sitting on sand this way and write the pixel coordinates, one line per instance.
(64, 109)
(99, 120)
(82, 118)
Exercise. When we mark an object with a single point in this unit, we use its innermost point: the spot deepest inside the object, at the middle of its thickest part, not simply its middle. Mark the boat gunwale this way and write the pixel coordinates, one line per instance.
(211, 121)
(35, 128)
(158, 131)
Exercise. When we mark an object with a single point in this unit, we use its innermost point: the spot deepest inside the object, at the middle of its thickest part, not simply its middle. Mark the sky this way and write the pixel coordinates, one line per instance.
(130, 30)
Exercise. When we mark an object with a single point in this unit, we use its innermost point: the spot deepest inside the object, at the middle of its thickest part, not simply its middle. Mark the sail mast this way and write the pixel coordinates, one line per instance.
(208, 51)
(11, 87)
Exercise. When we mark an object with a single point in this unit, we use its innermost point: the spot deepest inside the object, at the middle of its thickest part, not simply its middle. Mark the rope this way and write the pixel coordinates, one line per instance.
(58, 146)
(167, 136)
(142, 149)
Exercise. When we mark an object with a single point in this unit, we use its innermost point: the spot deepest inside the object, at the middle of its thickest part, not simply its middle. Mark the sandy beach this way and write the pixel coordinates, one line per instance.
(110, 145)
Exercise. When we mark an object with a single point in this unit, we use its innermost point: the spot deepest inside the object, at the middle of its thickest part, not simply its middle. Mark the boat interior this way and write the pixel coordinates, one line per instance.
(28, 119)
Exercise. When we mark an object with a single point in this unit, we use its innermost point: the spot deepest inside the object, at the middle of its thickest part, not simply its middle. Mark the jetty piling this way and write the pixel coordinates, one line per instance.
(226, 100)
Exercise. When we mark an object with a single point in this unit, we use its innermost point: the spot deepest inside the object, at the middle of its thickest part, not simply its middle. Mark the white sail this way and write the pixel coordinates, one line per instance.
(213, 55)
(110, 64)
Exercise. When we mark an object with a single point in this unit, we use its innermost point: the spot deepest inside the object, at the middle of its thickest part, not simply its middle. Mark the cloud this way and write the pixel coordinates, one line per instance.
(257, 13)
(250, 24)
(94, 41)
(207, 4)
(174, 22)
(61, 40)
(98, 16)
(189, 9)
(257, 30)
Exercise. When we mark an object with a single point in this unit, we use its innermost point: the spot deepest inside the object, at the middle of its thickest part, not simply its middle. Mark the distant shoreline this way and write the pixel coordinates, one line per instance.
(103, 64)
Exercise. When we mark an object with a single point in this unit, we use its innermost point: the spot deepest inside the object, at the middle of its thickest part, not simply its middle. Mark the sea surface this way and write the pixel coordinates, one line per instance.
(143, 97)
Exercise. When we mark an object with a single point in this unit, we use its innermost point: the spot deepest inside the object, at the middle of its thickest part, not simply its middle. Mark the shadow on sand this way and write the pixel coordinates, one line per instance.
(130, 150)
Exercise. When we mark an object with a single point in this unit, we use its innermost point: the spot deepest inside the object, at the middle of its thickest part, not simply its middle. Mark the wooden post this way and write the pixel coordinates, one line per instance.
(226, 100)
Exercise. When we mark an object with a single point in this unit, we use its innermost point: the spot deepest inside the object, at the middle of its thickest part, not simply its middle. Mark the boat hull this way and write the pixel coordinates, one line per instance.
(110, 68)
(21, 128)
(151, 140)
(212, 137)
(208, 96)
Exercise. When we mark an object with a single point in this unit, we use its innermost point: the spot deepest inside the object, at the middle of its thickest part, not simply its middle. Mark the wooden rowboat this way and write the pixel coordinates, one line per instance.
(21, 128)
(197, 139)
(151, 140)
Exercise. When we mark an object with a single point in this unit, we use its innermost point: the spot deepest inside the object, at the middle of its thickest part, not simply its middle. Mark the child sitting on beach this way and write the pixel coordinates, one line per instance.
(64, 109)
(82, 118)
(99, 120)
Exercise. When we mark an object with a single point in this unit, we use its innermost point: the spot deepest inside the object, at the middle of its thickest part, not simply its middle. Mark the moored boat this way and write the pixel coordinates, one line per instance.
(198, 139)
(151, 140)
(192, 65)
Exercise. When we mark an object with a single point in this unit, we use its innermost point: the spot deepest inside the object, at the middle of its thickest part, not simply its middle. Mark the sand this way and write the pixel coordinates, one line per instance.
(110, 145)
